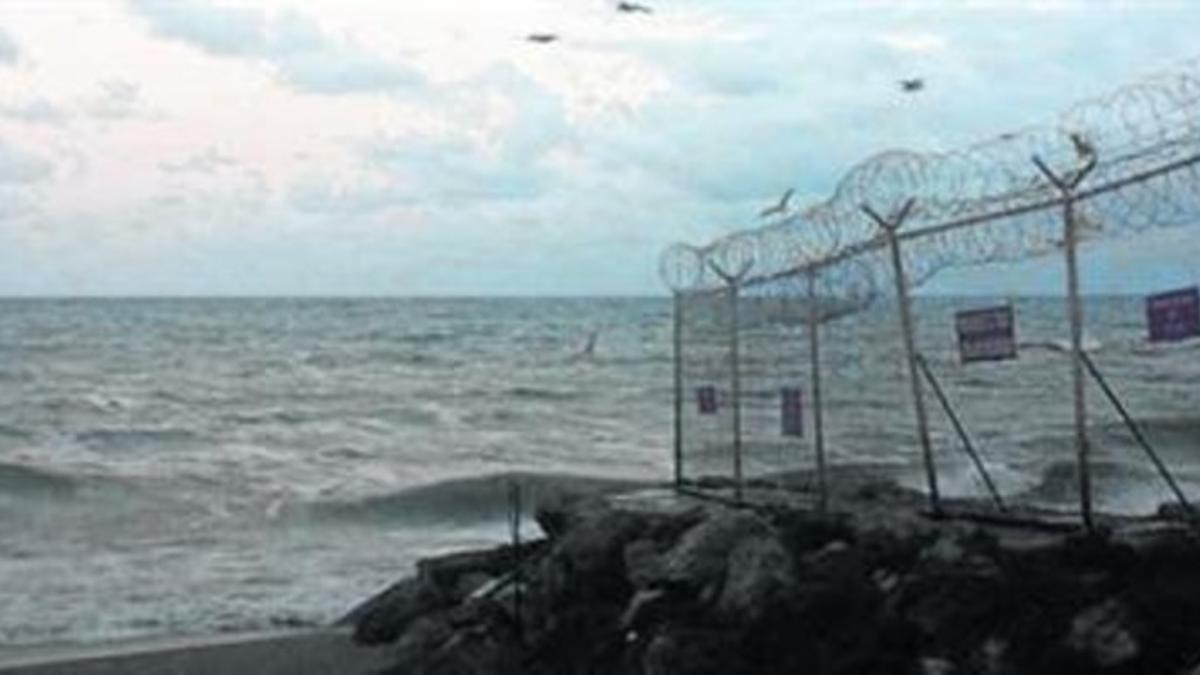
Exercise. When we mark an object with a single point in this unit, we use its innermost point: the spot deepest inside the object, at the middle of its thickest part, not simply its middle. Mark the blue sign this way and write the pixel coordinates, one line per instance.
(1174, 315)
(792, 411)
(987, 334)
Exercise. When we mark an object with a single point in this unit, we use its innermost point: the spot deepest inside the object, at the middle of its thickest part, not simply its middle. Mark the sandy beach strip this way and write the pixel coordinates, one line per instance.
(295, 652)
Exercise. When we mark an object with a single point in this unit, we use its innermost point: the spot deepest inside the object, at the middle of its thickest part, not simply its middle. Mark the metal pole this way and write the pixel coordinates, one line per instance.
(1075, 317)
(1139, 436)
(968, 446)
(814, 345)
(736, 391)
(889, 227)
(678, 358)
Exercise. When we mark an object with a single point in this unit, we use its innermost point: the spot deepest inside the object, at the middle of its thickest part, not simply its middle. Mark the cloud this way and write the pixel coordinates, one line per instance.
(302, 55)
(15, 203)
(913, 42)
(118, 100)
(208, 162)
(19, 166)
(503, 126)
(35, 111)
(9, 52)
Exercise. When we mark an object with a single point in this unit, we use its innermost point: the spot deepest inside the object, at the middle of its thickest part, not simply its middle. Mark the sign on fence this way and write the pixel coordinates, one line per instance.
(987, 334)
(1174, 315)
(706, 400)
(792, 411)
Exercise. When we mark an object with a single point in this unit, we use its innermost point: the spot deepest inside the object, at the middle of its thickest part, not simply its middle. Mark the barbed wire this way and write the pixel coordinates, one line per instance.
(983, 204)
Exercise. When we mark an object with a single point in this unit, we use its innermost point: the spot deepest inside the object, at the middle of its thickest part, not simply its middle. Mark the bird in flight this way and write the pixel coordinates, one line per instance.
(912, 85)
(777, 208)
(542, 38)
(633, 7)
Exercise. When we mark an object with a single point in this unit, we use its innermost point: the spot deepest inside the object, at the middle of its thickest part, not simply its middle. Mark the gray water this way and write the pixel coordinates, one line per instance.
(191, 466)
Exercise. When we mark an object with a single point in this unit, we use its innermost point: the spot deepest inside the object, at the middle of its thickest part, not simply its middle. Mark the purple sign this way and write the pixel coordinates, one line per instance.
(987, 334)
(792, 411)
(1174, 315)
(706, 400)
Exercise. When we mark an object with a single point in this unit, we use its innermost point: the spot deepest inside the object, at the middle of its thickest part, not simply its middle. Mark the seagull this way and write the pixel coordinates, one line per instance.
(1083, 147)
(632, 7)
(777, 208)
(588, 352)
(542, 38)
(913, 85)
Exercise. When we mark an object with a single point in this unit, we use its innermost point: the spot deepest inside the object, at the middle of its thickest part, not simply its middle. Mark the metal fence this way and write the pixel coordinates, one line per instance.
(752, 307)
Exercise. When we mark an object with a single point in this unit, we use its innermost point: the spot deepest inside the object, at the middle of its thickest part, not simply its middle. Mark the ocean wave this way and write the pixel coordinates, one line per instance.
(26, 481)
(121, 439)
(284, 417)
(14, 433)
(541, 393)
(462, 501)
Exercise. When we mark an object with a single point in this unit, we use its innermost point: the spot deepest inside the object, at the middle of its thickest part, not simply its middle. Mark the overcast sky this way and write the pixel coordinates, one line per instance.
(165, 147)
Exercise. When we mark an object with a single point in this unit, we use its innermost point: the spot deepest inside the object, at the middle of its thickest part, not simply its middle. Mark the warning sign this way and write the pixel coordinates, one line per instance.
(1174, 315)
(792, 411)
(987, 334)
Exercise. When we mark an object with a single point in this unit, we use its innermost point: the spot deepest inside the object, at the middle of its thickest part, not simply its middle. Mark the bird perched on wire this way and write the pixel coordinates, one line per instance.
(1083, 147)
(912, 85)
(542, 38)
(778, 208)
(633, 8)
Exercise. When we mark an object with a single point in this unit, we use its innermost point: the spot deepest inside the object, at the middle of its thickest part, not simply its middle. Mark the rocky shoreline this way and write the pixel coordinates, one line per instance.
(661, 584)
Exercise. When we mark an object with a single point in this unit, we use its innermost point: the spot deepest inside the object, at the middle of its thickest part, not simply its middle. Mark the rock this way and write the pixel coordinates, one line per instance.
(699, 558)
(470, 582)
(691, 652)
(1102, 634)
(638, 612)
(944, 551)
(444, 572)
(758, 573)
(383, 618)
(936, 666)
(643, 563)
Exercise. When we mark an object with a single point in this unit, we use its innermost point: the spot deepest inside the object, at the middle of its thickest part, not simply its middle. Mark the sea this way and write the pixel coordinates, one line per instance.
(198, 466)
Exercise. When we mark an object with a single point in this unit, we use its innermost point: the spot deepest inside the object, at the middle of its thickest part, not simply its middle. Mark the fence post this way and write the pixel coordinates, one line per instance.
(732, 279)
(735, 389)
(890, 226)
(1066, 186)
(814, 345)
(677, 342)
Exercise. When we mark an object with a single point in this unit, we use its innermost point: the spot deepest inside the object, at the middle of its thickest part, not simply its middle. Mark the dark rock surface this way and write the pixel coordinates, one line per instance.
(622, 587)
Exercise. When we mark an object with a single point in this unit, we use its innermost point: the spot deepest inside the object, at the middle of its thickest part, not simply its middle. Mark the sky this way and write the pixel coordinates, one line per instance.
(425, 147)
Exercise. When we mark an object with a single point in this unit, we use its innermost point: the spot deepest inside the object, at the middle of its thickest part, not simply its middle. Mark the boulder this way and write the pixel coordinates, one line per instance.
(758, 574)
(643, 563)
(699, 558)
(1101, 633)
(383, 618)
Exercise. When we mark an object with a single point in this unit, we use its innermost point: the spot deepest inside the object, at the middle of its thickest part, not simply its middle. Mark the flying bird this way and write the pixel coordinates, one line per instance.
(542, 38)
(1083, 147)
(777, 208)
(633, 7)
(912, 85)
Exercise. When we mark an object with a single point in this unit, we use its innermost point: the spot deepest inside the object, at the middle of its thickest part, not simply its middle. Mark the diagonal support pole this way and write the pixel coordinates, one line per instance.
(1067, 186)
(963, 436)
(890, 227)
(1138, 436)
